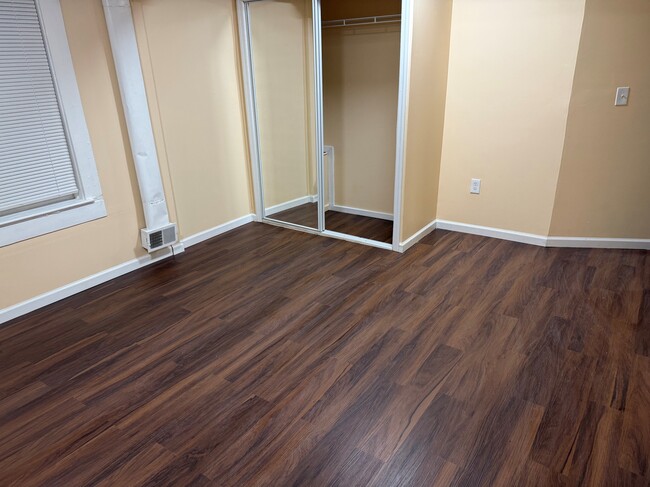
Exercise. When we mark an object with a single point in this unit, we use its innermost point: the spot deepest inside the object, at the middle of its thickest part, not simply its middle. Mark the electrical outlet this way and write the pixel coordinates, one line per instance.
(622, 96)
(475, 187)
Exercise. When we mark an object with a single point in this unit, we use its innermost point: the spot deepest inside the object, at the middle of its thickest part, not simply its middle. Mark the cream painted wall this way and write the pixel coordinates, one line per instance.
(510, 77)
(280, 68)
(603, 185)
(426, 113)
(190, 58)
(360, 94)
(44, 263)
(511, 71)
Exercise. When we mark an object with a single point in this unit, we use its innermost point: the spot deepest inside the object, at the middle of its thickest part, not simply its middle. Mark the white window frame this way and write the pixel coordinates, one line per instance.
(89, 204)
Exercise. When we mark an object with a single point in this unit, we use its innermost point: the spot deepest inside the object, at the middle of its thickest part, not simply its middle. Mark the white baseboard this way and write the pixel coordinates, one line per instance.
(287, 205)
(58, 294)
(543, 241)
(85, 283)
(218, 230)
(527, 238)
(360, 212)
(599, 243)
(81, 285)
(413, 239)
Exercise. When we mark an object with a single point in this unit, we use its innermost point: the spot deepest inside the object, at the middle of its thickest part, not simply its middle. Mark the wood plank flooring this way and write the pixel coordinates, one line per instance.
(359, 226)
(273, 357)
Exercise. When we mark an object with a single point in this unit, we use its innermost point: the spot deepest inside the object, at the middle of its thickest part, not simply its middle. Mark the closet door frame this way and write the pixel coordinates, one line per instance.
(406, 39)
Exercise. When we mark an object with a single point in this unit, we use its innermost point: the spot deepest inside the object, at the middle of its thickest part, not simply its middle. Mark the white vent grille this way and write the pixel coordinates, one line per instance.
(159, 238)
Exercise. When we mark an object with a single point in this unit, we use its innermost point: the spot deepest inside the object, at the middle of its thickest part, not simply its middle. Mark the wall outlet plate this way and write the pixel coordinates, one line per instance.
(622, 96)
(475, 187)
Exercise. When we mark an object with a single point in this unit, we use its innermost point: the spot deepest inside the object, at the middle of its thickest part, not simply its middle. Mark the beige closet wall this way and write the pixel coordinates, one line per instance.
(603, 184)
(426, 113)
(511, 71)
(189, 52)
(360, 94)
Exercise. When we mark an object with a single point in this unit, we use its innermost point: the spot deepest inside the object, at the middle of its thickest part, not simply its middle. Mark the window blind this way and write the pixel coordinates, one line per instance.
(35, 163)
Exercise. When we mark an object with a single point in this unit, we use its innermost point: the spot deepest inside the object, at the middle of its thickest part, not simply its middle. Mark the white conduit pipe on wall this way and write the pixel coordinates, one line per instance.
(160, 232)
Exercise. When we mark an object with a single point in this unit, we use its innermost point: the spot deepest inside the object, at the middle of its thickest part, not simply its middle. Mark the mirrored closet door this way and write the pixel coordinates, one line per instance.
(322, 101)
(281, 55)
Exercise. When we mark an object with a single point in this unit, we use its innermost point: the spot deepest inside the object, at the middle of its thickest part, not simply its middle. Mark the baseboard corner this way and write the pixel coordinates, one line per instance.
(419, 235)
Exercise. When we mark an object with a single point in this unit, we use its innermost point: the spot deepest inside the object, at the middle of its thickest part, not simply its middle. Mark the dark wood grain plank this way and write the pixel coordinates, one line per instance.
(635, 444)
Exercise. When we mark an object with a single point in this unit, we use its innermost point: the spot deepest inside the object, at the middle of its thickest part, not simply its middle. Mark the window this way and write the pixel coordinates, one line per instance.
(48, 178)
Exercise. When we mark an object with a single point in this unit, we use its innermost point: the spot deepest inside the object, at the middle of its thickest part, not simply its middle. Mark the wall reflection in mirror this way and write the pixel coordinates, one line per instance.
(281, 44)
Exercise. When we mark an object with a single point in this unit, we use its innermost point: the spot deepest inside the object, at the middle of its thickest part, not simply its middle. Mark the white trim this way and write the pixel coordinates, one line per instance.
(406, 43)
(527, 238)
(81, 285)
(318, 109)
(251, 106)
(53, 220)
(543, 241)
(287, 205)
(85, 283)
(218, 230)
(419, 235)
(360, 240)
(599, 243)
(361, 212)
(72, 112)
(126, 57)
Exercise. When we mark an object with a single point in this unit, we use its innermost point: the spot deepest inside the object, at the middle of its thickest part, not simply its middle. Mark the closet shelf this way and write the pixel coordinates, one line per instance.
(382, 19)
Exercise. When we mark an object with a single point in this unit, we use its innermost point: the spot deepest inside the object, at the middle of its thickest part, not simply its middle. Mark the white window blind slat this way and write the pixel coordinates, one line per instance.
(36, 167)
(36, 178)
(38, 154)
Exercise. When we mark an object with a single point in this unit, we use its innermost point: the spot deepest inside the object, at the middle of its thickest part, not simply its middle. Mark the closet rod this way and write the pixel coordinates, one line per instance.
(381, 19)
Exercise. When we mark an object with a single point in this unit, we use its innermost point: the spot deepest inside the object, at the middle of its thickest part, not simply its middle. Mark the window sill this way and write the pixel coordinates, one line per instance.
(48, 219)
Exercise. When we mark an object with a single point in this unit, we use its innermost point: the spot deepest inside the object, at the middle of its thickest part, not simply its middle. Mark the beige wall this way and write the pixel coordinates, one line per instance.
(44, 263)
(190, 61)
(603, 184)
(360, 94)
(426, 112)
(190, 49)
(280, 67)
(511, 71)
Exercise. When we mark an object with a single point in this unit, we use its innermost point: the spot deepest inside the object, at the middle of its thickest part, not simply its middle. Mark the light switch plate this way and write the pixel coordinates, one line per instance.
(622, 96)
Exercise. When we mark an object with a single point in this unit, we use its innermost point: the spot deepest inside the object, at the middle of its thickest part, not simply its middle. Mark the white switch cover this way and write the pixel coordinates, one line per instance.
(475, 188)
(622, 96)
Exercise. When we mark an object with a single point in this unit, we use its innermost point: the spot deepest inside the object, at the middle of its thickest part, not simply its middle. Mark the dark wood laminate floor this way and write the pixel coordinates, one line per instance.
(306, 215)
(273, 357)
(359, 226)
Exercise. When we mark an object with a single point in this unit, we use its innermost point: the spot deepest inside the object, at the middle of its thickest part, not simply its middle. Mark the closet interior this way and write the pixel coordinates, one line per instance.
(323, 84)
